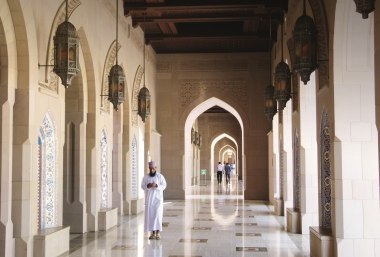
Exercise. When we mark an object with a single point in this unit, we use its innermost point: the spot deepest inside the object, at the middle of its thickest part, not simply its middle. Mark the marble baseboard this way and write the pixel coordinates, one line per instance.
(107, 218)
(137, 206)
(321, 243)
(52, 242)
(293, 221)
(279, 207)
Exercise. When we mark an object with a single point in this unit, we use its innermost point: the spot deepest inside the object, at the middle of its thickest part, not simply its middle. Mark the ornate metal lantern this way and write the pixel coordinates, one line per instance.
(144, 103)
(270, 102)
(200, 141)
(116, 77)
(305, 45)
(282, 91)
(144, 98)
(365, 7)
(192, 135)
(282, 78)
(116, 86)
(66, 45)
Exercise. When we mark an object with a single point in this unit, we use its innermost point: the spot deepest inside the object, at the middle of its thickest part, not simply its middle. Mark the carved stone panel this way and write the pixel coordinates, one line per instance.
(325, 173)
(192, 89)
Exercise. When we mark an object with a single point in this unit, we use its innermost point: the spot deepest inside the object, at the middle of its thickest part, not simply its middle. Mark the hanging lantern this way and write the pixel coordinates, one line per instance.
(144, 103)
(270, 102)
(192, 135)
(116, 86)
(365, 7)
(116, 77)
(200, 141)
(305, 47)
(66, 45)
(282, 90)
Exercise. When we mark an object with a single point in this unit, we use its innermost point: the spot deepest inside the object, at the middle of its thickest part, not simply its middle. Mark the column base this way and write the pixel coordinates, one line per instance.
(321, 243)
(107, 218)
(52, 242)
(137, 206)
(293, 220)
(279, 207)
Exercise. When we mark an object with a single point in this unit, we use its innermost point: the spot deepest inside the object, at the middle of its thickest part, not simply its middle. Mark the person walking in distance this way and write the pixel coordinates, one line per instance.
(219, 172)
(153, 184)
(227, 169)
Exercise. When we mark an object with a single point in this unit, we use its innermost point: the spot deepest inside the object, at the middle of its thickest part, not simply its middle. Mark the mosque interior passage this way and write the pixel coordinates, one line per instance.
(284, 91)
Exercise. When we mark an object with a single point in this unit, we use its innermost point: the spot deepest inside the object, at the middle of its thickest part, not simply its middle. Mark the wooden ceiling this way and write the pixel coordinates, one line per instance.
(207, 26)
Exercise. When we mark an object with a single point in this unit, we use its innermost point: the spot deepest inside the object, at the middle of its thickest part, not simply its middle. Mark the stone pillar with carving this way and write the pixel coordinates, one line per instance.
(279, 201)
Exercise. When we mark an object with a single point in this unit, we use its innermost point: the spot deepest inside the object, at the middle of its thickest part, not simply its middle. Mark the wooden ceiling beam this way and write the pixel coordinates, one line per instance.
(215, 18)
(232, 4)
(160, 37)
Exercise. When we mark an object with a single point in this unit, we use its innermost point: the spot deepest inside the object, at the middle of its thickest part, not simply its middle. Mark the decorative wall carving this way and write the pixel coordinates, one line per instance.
(325, 173)
(214, 65)
(47, 174)
(110, 61)
(104, 202)
(192, 89)
(296, 172)
(163, 67)
(134, 173)
(135, 93)
(52, 81)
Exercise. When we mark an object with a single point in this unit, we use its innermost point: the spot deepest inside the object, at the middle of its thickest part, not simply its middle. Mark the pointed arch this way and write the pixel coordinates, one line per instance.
(47, 174)
(191, 117)
(216, 140)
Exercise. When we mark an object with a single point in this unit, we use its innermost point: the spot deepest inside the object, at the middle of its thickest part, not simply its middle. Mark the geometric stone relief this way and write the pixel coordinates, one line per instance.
(103, 171)
(214, 65)
(296, 173)
(192, 89)
(135, 93)
(110, 61)
(47, 174)
(52, 81)
(134, 173)
(326, 181)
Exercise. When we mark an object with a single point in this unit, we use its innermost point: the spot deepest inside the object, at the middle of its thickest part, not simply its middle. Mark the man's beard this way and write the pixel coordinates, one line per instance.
(152, 173)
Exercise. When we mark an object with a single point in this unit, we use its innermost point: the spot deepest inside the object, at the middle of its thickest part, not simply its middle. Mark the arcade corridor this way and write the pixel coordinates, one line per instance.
(220, 224)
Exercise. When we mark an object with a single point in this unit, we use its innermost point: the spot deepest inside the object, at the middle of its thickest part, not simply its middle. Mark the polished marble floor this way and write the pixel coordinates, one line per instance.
(214, 221)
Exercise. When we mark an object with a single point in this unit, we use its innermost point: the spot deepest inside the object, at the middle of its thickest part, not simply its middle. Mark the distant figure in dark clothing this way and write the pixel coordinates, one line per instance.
(227, 169)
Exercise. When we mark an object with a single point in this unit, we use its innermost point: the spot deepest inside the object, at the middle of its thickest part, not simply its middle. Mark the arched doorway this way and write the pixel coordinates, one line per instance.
(191, 118)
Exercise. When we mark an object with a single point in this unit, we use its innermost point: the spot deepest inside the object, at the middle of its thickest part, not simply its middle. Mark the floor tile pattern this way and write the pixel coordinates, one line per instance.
(213, 221)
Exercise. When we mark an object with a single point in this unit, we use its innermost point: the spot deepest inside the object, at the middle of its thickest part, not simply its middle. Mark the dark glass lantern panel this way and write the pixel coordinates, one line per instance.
(66, 45)
(282, 89)
(116, 86)
(365, 7)
(270, 102)
(305, 47)
(144, 103)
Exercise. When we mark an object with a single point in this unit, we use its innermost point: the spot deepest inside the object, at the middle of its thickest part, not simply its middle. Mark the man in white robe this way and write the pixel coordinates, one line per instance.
(153, 184)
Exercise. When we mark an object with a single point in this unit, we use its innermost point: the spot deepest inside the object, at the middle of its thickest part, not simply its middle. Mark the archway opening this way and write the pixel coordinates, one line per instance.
(208, 119)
